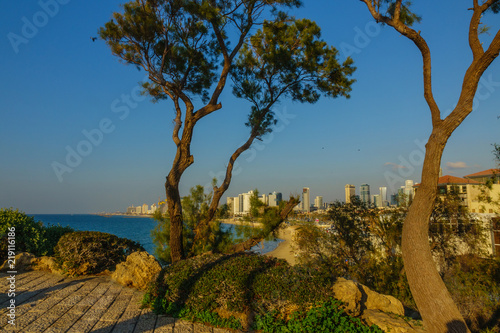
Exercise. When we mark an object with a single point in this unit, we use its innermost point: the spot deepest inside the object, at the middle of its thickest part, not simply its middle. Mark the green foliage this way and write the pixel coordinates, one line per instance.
(452, 226)
(28, 232)
(322, 317)
(365, 244)
(92, 252)
(287, 58)
(180, 42)
(341, 248)
(30, 236)
(406, 16)
(238, 284)
(474, 284)
(194, 209)
(52, 234)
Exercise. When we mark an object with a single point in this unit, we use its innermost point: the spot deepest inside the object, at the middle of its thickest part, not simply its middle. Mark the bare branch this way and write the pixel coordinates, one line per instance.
(426, 57)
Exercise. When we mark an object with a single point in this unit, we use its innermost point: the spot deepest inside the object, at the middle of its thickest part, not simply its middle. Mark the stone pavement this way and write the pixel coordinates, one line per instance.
(50, 303)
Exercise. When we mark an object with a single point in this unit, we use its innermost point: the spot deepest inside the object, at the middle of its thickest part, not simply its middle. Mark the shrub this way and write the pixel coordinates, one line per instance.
(92, 252)
(474, 284)
(322, 317)
(51, 236)
(222, 289)
(31, 236)
(29, 233)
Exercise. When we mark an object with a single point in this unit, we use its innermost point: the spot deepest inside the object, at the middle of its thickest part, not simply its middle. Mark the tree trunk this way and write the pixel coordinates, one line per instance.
(175, 214)
(438, 310)
(183, 159)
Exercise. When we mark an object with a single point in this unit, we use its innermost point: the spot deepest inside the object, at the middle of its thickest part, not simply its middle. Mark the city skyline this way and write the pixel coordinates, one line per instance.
(77, 137)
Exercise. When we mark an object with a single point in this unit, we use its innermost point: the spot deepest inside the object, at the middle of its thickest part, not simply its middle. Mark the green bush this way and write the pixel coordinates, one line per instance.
(222, 289)
(474, 284)
(28, 232)
(323, 317)
(51, 236)
(92, 252)
(30, 236)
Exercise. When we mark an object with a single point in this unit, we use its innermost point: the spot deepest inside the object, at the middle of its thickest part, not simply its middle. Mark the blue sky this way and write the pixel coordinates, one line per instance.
(57, 87)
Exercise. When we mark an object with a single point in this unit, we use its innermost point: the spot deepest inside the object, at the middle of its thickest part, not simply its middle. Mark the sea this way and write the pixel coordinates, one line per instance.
(135, 228)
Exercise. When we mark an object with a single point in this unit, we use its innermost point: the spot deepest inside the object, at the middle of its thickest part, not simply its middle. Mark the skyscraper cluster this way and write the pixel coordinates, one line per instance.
(406, 192)
(240, 205)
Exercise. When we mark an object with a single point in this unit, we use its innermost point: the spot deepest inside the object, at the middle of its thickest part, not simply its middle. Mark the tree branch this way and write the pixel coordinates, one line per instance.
(249, 243)
(426, 57)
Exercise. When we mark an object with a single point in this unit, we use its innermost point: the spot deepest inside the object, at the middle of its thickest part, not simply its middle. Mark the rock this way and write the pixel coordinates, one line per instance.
(385, 303)
(22, 262)
(348, 292)
(137, 271)
(389, 322)
(46, 264)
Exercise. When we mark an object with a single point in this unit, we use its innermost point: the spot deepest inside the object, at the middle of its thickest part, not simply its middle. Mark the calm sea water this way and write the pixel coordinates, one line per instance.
(135, 228)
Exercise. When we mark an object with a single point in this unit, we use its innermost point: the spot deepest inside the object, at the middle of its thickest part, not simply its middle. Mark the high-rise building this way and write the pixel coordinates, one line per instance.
(264, 198)
(364, 193)
(318, 202)
(275, 199)
(377, 200)
(350, 191)
(383, 196)
(306, 202)
(409, 191)
(236, 205)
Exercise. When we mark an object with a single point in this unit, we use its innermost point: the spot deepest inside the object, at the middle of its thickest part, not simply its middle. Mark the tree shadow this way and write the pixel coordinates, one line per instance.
(189, 282)
(456, 326)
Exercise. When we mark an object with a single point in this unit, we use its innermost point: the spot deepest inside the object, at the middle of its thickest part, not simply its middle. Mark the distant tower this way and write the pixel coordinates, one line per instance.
(318, 202)
(306, 202)
(350, 190)
(364, 193)
(409, 191)
(383, 196)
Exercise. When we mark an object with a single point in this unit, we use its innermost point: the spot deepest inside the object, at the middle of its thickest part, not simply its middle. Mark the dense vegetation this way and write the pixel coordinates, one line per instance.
(92, 252)
(231, 290)
(30, 236)
(364, 244)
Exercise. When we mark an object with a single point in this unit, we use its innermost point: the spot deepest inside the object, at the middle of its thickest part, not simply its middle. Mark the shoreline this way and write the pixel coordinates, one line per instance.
(284, 249)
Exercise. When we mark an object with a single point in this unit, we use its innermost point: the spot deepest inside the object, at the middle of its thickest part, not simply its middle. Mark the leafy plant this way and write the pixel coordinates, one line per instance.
(323, 317)
(30, 235)
(224, 289)
(28, 232)
(194, 209)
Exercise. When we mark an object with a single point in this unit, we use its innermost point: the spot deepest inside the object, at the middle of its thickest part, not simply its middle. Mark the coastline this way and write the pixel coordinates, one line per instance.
(284, 249)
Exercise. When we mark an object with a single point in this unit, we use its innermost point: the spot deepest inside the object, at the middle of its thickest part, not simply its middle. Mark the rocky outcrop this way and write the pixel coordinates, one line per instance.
(21, 263)
(349, 293)
(385, 303)
(391, 323)
(137, 271)
(375, 309)
(46, 264)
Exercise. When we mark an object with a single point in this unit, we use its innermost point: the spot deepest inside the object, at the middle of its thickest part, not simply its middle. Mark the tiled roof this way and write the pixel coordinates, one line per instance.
(455, 180)
(488, 172)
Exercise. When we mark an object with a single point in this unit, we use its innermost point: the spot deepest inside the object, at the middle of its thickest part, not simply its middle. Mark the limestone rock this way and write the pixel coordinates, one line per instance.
(22, 262)
(137, 271)
(46, 264)
(389, 322)
(348, 292)
(385, 303)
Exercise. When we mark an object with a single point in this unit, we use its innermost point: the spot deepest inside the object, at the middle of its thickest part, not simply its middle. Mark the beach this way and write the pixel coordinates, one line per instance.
(284, 249)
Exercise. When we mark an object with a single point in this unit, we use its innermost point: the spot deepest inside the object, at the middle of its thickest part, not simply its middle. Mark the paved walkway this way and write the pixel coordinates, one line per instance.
(50, 303)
